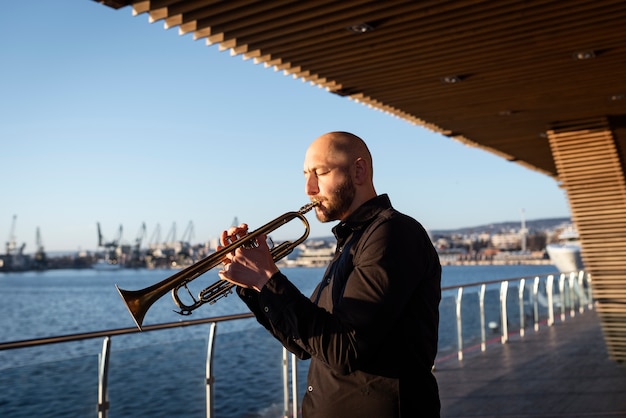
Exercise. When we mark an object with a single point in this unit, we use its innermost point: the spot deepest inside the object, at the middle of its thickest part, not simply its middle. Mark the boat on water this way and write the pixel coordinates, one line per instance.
(106, 264)
(314, 254)
(565, 254)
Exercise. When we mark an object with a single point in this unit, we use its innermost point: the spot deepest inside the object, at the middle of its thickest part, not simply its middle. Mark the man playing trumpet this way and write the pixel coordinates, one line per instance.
(370, 327)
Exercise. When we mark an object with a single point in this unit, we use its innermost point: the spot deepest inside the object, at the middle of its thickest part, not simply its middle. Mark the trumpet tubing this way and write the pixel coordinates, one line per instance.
(139, 301)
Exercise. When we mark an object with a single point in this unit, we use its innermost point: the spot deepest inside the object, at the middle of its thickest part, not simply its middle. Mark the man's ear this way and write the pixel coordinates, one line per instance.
(361, 171)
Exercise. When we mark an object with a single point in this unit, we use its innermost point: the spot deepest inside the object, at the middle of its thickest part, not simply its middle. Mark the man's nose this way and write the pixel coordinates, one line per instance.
(311, 187)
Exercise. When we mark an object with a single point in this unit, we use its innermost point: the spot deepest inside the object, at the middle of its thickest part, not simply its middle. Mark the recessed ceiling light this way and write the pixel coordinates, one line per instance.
(361, 28)
(616, 97)
(584, 55)
(451, 79)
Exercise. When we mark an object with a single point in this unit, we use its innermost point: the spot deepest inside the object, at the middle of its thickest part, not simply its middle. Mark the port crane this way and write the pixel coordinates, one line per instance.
(41, 259)
(140, 236)
(155, 239)
(136, 258)
(11, 244)
(170, 238)
(186, 252)
(112, 249)
(14, 258)
(111, 244)
(188, 235)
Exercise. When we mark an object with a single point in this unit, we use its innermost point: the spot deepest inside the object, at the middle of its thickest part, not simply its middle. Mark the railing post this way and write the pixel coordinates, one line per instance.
(210, 379)
(562, 295)
(589, 292)
(520, 297)
(572, 295)
(549, 292)
(103, 378)
(285, 383)
(294, 385)
(504, 286)
(481, 302)
(536, 302)
(582, 294)
(459, 324)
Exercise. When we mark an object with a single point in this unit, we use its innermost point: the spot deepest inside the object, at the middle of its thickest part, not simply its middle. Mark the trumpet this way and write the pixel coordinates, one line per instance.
(139, 301)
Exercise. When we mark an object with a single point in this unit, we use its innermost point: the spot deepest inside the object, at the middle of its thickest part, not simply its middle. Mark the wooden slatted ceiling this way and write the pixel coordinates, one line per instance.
(514, 58)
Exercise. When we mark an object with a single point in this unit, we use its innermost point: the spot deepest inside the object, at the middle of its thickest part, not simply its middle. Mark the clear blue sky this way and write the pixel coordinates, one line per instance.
(107, 118)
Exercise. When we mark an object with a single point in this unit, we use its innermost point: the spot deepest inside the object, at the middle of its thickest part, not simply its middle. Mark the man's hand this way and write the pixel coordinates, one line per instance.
(249, 266)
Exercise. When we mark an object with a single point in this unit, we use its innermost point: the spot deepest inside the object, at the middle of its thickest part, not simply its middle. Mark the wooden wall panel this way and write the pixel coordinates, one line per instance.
(591, 170)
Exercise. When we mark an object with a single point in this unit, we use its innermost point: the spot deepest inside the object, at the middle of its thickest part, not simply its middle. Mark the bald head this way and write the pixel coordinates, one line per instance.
(345, 146)
(342, 148)
(338, 166)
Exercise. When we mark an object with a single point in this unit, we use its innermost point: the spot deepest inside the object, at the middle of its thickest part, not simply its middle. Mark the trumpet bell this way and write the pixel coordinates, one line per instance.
(137, 303)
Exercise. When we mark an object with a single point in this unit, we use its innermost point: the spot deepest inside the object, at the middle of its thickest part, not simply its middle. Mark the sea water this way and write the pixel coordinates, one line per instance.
(159, 373)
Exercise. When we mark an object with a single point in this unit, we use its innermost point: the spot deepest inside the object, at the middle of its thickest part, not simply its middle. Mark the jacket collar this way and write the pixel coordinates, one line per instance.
(362, 216)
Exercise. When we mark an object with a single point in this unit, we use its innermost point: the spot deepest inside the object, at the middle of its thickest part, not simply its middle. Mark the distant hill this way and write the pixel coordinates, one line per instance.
(494, 228)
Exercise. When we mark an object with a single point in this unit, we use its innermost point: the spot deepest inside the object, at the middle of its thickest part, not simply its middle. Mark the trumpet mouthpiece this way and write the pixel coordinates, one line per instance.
(304, 209)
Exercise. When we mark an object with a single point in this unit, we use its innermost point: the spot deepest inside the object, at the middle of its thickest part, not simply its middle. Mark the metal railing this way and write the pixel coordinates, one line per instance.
(103, 359)
(574, 291)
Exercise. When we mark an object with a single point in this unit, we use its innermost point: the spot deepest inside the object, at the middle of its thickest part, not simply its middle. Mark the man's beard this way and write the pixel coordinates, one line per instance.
(338, 203)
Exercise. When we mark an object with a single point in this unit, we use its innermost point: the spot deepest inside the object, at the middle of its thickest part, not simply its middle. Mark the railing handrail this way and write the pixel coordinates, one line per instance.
(498, 281)
(180, 324)
(119, 331)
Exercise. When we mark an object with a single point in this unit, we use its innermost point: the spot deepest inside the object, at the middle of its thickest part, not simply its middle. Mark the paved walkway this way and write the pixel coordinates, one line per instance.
(559, 371)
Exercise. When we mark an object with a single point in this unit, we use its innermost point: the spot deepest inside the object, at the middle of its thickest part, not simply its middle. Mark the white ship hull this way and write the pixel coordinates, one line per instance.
(566, 257)
(315, 255)
(105, 265)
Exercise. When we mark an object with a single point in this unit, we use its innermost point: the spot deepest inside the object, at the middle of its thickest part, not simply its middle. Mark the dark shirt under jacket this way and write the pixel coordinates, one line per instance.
(371, 326)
